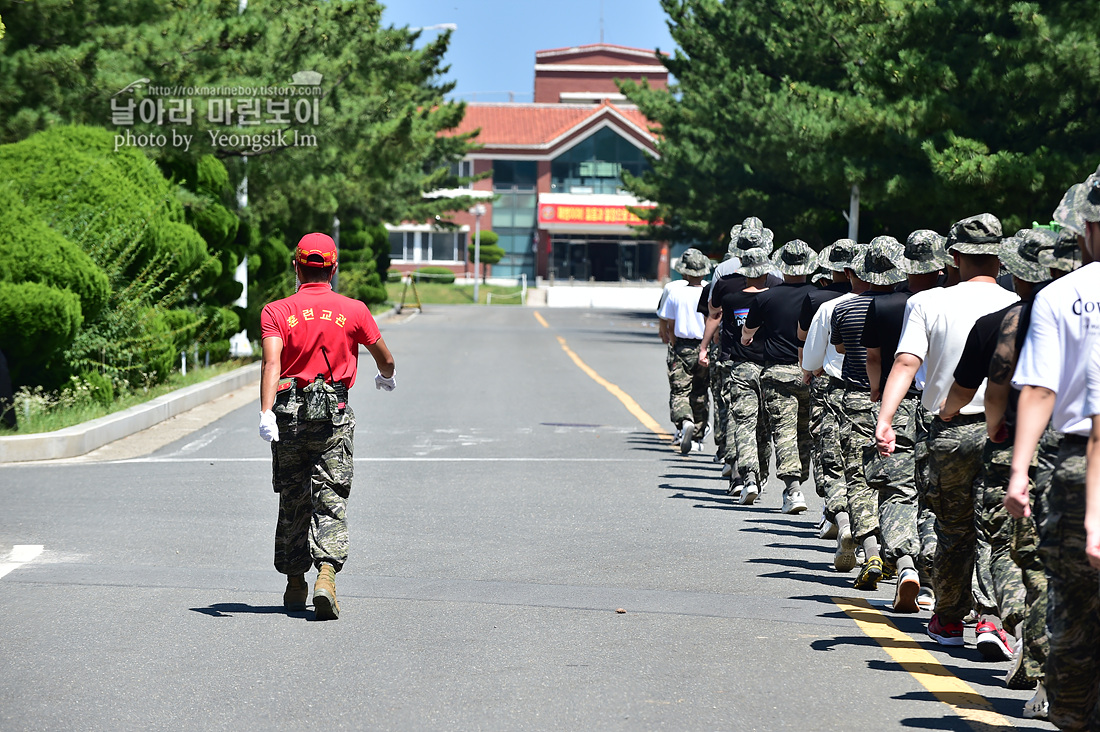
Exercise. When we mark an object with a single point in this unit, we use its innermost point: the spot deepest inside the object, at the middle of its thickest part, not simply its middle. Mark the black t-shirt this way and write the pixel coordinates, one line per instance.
(704, 300)
(814, 300)
(735, 306)
(882, 329)
(723, 287)
(775, 312)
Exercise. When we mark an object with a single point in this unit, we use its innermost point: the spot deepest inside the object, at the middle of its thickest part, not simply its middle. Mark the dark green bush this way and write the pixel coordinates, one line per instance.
(36, 322)
(435, 274)
(100, 387)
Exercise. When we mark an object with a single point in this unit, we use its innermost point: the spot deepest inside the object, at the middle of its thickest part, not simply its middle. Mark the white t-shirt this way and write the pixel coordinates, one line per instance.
(682, 307)
(937, 323)
(669, 286)
(1092, 384)
(1064, 331)
(818, 351)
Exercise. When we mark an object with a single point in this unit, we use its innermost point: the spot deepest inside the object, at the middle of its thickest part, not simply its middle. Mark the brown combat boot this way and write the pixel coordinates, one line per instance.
(297, 592)
(324, 594)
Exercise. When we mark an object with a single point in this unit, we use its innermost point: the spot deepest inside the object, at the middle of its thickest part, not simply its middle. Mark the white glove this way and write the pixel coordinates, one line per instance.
(269, 428)
(381, 382)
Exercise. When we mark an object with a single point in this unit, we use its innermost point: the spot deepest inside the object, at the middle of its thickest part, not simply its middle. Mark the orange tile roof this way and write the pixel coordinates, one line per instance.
(531, 125)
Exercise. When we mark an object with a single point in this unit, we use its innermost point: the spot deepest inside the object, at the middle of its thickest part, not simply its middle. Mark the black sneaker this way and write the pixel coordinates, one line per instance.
(869, 575)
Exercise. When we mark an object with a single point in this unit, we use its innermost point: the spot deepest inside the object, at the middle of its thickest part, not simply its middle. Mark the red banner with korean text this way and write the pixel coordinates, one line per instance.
(568, 213)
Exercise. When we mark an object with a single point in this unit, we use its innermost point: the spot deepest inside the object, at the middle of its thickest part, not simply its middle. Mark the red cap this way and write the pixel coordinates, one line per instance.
(316, 250)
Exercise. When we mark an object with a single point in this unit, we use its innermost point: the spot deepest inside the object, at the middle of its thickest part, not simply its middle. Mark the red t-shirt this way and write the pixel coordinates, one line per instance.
(316, 316)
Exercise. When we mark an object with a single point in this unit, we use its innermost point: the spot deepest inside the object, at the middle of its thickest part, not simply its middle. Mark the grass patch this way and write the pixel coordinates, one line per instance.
(42, 412)
(434, 293)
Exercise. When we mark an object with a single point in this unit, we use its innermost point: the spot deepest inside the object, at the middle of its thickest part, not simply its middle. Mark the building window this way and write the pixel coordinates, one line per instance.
(596, 164)
(427, 246)
(521, 174)
(463, 169)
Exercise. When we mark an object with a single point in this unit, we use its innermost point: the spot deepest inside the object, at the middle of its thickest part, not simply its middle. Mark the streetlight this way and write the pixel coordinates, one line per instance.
(478, 211)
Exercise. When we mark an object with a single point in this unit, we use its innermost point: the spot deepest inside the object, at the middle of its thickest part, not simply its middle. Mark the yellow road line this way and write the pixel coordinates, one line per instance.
(542, 320)
(628, 401)
(923, 666)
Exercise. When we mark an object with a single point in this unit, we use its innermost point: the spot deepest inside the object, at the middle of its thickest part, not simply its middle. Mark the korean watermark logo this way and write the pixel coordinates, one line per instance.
(297, 103)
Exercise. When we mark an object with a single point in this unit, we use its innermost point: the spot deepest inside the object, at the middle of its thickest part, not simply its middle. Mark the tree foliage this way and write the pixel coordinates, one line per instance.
(936, 110)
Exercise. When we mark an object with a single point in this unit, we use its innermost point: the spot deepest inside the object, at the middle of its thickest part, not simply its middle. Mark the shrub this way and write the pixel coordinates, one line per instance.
(435, 274)
(100, 388)
(36, 322)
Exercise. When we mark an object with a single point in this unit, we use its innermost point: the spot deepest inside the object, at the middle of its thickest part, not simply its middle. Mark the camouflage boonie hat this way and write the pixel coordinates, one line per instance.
(755, 263)
(795, 258)
(925, 251)
(1066, 215)
(822, 275)
(1065, 256)
(979, 234)
(1088, 201)
(754, 237)
(735, 234)
(878, 263)
(838, 255)
(1020, 254)
(693, 263)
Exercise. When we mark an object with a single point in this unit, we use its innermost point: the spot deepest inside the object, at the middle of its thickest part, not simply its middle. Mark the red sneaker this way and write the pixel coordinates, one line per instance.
(946, 634)
(993, 642)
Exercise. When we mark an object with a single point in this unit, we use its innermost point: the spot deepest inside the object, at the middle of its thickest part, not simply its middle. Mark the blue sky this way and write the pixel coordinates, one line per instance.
(493, 50)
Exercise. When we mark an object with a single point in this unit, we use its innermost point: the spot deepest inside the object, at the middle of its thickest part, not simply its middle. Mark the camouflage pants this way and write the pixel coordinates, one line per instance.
(719, 375)
(926, 520)
(893, 478)
(998, 528)
(311, 470)
(825, 428)
(857, 440)
(1027, 554)
(687, 381)
(954, 470)
(1073, 666)
(748, 441)
(787, 402)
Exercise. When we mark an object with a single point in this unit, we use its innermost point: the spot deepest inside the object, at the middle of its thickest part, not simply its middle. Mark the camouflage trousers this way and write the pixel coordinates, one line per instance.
(894, 479)
(954, 471)
(787, 402)
(857, 441)
(1026, 552)
(1073, 622)
(926, 520)
(719, 375)
(311, 470)
(828, 468)
(998, 527)
(747, 442)
(687, 382)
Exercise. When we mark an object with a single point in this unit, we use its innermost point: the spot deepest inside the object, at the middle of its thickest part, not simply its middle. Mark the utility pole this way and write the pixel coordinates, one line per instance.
(853, 214)
(478, 211)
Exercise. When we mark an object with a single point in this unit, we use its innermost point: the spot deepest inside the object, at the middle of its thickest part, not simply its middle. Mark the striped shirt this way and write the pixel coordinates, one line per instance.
(847, 328)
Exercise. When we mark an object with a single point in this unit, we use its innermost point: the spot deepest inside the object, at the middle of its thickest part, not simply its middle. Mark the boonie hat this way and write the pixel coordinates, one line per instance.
(753, 235)
(755, 263)
(925, 251)
(795, 258)
(1065, 256)
(878, 263)
(1020, 254)
(821, 275)
(1066, 215)
(1088, 201)
(316, 250)
(838, 255)
(693, 263)
(735, 234)
(979, 234)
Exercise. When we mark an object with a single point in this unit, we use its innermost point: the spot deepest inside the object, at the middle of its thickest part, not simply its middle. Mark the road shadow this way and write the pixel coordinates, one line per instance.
(229, 609)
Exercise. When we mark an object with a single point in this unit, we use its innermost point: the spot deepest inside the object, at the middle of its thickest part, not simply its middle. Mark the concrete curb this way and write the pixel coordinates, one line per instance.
(87, 436)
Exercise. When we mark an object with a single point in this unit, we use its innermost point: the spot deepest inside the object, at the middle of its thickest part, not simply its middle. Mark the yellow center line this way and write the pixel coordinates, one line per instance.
(542, 320)
(628, 401)
(923, 666)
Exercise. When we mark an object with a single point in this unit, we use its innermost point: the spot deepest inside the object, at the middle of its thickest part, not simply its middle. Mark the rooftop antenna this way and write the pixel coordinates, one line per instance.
(601, 22)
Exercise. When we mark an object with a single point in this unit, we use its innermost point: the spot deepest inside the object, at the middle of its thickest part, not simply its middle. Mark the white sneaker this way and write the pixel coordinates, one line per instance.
(685, 441)
(717, 458)
(698, 446)
(826, 529)
(926, 599)
(793, 502)
(677, 438)
(845, 558)
(727, 470)
(1037, 707)
(749, 492)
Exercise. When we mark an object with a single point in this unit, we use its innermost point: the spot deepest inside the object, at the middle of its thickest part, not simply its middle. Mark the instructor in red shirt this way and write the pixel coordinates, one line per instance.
(310, 353)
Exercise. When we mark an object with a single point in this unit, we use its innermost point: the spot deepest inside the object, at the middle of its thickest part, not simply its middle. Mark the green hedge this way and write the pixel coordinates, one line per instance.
(434, 274)
(36, 322)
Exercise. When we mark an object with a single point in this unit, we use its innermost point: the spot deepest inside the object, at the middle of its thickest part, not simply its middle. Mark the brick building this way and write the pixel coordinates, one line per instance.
(554, 195)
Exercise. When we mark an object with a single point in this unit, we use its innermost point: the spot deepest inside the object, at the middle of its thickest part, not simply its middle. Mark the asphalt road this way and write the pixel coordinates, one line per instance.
(505, 505)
